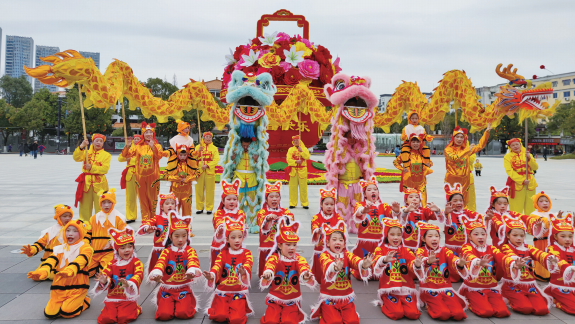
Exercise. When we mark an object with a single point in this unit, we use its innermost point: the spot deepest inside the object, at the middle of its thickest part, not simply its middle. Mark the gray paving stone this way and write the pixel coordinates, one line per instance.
(6, 298)
(15, 283)
(561, 314)
(25, 307)
(22, 266)
(6, 263)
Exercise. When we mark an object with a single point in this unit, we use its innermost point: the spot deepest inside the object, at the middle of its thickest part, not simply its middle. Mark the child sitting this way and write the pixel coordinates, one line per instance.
(108, 217)
(122, 278)
(477, 167)
(176, 270)
(71, 283)
(284, 270)
(159, 225)
(228, 208)
(326, 215)
(367, 217)
(393, 265)
(50, 237)
(336, 299)
(412, 213)
(230, 276)
(414, 128)
(268, 218)
(435, 288)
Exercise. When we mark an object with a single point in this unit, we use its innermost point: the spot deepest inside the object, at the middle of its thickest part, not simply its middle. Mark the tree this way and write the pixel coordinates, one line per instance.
(30, 117)
(510, 128)
(160, 88)
(5, 126)
(564, 119)
(50, 112)
(98, 120)
(16, 91)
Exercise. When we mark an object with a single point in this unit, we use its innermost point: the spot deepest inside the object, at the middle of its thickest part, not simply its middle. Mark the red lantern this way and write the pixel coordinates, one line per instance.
(534, 77)
(542, 67)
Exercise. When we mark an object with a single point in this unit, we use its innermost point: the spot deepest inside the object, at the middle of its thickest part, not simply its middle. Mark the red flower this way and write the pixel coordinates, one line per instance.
(322, 55)
(227, 75)
(262, 70)
(277, 73)
(252, 69)
(542, 67)
(292, 76)
(238, 52)
(256, 41)
(325, 73)
(534, 77)
(280, 50)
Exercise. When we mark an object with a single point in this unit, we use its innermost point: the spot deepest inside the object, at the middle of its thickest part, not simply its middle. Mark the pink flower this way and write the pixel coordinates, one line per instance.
(263, 52)
(239, 64)
(285, 65)
(283, 36)
(336, 65)
(309, 69)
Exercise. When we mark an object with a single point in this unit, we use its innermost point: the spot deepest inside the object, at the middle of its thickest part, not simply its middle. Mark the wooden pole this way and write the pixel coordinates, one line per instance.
(455, 117)
(83, 121)
(199, 135)
(527, 149)
(124, 118)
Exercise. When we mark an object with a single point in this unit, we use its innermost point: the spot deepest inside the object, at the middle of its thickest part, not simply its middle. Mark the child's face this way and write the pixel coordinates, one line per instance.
(543, 203)
(288, 249)
(72, 234)
(328, 206)
(125, 251)
(186, 130)
(169, 204)
(207, 139)
(414, 119)
(245, 146)
(65, 218)
(516, 236)
(565, 239)
(179, 238)
(136, 140)
(415, 144)
(336, 242)
(413, 198)
(235, 239)
(231, 202)
(479, 236)
(501, 205)
(273, 199)
(371, 193)
(457, 202)
(458, 139)
(182, 156)
(431, 239)
(106, 206)
(394, 236)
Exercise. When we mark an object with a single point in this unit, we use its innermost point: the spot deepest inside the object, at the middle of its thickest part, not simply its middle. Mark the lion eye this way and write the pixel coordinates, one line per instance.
(265, 85)
(339, 84)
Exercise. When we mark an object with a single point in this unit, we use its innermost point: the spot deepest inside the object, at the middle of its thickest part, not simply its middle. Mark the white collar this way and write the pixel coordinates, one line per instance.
(542, 214)
(286, 259)
(569, 250)
(336, 255)
(111, 217)
(232, 211)
(325, 216)
(519, 248)
(121, 262)
(175, 249)
(53, 231)
(479, 248)
(69, 252)
(273, 209)
(436, 251)
(236, 252)
(392, 247)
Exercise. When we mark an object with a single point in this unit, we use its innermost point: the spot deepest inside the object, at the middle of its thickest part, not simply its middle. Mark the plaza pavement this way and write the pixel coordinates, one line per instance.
(30, 188)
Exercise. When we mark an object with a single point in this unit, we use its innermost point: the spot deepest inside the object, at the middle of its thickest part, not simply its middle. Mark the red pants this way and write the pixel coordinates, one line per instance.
(454, 275)
(443, 305)
(564, 299)
(362, 249)
(279, 313)
(179, 303)
(338, 313)
(396, 307)
(262, 261)
(119, 312)
(316, 268)
(487, 303)
(525, 301)
(232, 308)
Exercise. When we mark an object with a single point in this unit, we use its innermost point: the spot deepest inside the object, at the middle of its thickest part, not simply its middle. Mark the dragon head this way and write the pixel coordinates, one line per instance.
(521, 93)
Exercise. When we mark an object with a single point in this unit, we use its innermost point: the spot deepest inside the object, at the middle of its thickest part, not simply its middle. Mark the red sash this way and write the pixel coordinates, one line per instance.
(81, 180)
(124, 174)
(511, 184)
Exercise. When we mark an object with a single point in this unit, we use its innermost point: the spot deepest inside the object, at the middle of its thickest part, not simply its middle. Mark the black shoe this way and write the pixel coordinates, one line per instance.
(129, 221)
(305, 207)
(209, 212)
(291, 207)
(200, 212)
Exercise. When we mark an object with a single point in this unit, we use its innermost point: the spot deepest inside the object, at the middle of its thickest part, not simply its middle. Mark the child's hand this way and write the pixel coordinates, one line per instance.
(190, 275)
(208, 275)
(108, 245)
(220, 231)
(553, 259)
(559, 214)
(411, 207)
(367, 261)
(448, 209)
(390, 257)
(26, 249)
(151, 229)
(485, 260)
(462, 262)
(395, 206)
(338, 264)
(241, 269)
(67, 272)
(124, 282)
(432, 258)
(488, 215)
(156, 278)
(522, 262)
(101, 278)
(271, 217)
(433, 207)
(267, 276)
(418, 261)
(307, 276)
(38, 275)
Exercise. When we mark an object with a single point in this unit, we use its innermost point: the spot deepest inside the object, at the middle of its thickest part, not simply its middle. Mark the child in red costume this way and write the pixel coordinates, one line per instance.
(176, 270)
(284, 270)
(121, 278)
(268, 218)
(159, 225)
(412, 213)
(522, 291)
(562, 285)
(228, 208)
(480, 288)
(393, 265)
(435, 289)
(230, 276)
(368, 216)
(336, 294)
(326, 215)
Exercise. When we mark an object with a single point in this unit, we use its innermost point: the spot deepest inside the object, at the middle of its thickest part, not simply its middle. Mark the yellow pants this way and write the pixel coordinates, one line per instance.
(89, 205)
(148, 195)
(295, 183)
(99, 261)
(471, 202)
(184, 204)
(67, 303)
(131, 199)
(206, 184)
(523, 201)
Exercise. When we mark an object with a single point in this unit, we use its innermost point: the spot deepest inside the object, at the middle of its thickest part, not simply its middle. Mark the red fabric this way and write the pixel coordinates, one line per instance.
(123, 179)
(362, 249)
(121, 312)
(81, 180)
(178, 303)
(213, 256)
(454, 275)
(343, 312)
(564, 300)
(262, 261)
(316, 268)
(443, 305)
(154, 256)
(511, 184)
(487, 303)
(287, 170)
(113, 270)
(278, 313)
(229, 308)
(523, 301)
(397, 307)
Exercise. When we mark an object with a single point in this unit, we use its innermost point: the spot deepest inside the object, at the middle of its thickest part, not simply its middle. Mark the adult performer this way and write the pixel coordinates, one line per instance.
(93, 177)
(521, 188)
(128, 182)
(297, 156)
(457, 155)
(206, 186)
(147, 155)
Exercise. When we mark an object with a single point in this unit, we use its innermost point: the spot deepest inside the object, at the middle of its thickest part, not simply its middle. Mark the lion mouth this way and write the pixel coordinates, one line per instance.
(248, 101)
(355, 102)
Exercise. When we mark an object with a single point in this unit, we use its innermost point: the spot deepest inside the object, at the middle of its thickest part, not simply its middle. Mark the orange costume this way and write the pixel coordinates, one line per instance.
(182, 174)
(408, 132)
(416, 174)
(542, 239)
(147, 170)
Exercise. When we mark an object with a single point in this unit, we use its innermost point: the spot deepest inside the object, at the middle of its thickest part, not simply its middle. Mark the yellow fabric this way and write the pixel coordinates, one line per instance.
(515, 163)
(210, 157)
(182, 191)
(522, 203)
(295, 183)
(416, 176)
(43, 244)
(478, 166)
(246, 165)
(471, 199)
(98, 233)
(100, 161)
(206, 186)
(351, 175)
(130, 162)
(131, 199)
(403, 137)
(89, 205)
(293, 155)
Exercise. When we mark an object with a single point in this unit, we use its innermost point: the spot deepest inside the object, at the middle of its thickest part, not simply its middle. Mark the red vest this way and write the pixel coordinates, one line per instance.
(370, 228)
(437, 274)
(267, 239)
(455, 233)
(228, 278)
(486, 277)
(175, 264)
(341, 285)
(409, 229)
(285, 285)
(566, 259)
(128, 271)
(399, 273)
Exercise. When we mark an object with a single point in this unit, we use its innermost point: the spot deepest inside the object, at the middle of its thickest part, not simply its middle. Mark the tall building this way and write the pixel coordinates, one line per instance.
(43, 51)
(93, 55)
(19, 52)
(1, 52)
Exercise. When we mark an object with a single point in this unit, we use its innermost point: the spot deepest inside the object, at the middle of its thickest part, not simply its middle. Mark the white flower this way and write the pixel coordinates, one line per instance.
(230, 58)
(251, 58)
(269, 39)
(293, 57)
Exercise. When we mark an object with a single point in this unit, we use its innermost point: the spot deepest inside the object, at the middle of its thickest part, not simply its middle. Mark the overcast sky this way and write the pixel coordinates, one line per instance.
(389, 41)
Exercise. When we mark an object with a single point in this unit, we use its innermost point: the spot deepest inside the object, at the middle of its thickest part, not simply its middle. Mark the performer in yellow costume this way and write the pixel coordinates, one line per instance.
(208, 157)
(297, 156)
(93, 177)
(416, 175)
(183, 137)
(245, 172)
(521, 188)
(147, 154)
(70, 286)
(472, 200)
(411, 128)
(128, 182)
(181, 175)
(459, 165)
